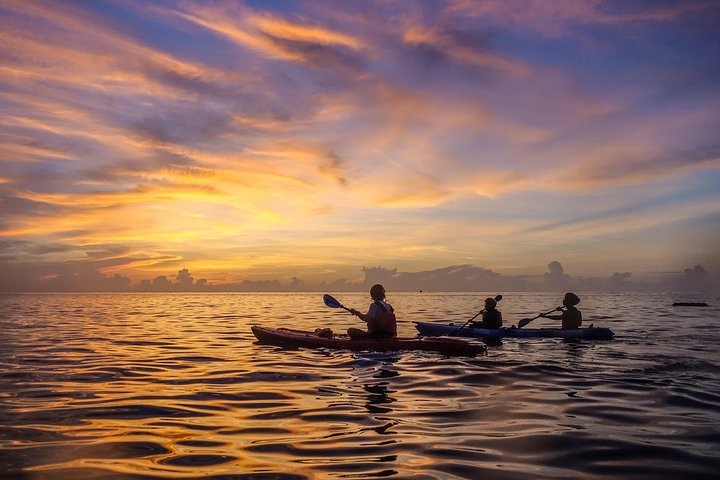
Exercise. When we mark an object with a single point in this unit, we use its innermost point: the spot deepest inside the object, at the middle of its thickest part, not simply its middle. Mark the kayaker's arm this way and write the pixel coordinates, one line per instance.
(362, 316)
(554, 317)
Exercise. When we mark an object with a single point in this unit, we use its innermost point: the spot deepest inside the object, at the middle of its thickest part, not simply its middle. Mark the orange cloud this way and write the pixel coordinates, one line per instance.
(260, 33)
(304, 33)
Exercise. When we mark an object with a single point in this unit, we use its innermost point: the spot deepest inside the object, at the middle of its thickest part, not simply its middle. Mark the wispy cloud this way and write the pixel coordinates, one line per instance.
(138, 135)
(568, 17)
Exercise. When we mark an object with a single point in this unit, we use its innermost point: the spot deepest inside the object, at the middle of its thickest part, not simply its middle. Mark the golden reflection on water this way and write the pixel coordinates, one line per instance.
(174, 386)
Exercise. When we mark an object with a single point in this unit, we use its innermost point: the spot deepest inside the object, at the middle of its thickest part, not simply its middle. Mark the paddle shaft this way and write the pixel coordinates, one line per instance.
(525, 321)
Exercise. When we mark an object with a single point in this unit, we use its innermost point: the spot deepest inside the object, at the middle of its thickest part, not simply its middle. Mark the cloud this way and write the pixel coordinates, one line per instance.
(460, 278)
(692, 279)
(14, 207)
(563, 17)
(556, 277)
(195, 124)
(454, 278)
(267, 34)
(333, 168)
(464, 47)
(304, 33)
(629, 170)
(256, 137)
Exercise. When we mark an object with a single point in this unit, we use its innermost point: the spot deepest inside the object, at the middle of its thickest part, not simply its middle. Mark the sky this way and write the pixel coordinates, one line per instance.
(283, 140)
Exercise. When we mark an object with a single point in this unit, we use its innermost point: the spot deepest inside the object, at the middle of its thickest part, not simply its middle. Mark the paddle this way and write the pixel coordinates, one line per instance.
(332, 303)
(525, 321)
(497, 299)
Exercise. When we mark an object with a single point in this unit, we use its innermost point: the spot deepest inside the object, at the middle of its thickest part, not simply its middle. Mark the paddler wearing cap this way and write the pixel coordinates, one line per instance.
(570, 316)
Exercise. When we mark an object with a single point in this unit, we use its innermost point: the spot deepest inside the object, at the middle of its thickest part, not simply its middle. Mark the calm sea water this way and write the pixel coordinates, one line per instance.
(148, 386)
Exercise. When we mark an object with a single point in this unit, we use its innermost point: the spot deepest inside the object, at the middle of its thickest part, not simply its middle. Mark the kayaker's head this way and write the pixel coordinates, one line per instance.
(490, 303)
(571, 300)
(377, 292)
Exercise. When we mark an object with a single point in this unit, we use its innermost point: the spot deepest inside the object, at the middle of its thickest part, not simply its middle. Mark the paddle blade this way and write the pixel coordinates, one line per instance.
(524, 322)
(331, 302)
(498, 298)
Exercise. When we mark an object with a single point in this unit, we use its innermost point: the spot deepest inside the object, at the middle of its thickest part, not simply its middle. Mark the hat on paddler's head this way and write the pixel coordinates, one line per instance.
(491, 302)
(571, 299)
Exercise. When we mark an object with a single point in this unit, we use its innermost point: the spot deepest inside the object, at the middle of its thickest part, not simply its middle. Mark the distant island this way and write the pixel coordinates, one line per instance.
(455, 278)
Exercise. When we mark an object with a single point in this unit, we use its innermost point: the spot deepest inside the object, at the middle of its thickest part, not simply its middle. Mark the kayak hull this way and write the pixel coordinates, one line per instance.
(589, 333)
(298, 338)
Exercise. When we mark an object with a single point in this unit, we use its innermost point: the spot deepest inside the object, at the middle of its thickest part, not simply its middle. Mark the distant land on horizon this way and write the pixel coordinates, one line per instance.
(455, 278)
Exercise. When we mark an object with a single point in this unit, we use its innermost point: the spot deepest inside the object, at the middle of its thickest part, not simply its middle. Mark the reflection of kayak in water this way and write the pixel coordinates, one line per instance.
(589, 333)
(298, 338)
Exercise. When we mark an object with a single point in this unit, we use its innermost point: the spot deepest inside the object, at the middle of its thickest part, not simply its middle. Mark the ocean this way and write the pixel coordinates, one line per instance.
(174, 386)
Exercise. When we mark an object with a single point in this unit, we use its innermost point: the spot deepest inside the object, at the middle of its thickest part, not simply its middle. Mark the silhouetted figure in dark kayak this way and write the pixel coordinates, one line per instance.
(491, 317)
(380, 317)
(571, 316)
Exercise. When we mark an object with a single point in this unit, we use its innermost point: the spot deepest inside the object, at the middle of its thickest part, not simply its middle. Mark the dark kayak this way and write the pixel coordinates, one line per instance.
(589, 333)
(299, 338)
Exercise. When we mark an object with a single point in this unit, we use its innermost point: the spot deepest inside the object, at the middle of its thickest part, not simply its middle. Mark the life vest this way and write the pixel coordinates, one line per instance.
(492, 319)
(571, 319)
(384, 324)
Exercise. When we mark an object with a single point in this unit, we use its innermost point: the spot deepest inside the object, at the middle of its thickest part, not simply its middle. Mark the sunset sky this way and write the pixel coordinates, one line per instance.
(279, 139)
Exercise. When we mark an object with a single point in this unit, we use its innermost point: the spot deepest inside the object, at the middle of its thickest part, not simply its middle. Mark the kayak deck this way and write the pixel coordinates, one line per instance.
(588, 333)
(299, 338)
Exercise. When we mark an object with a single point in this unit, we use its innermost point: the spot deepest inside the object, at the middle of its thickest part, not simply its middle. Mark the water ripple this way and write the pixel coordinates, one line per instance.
(175, 386)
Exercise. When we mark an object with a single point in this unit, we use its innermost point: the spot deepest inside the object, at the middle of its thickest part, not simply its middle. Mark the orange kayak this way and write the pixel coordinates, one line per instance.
(298, 338)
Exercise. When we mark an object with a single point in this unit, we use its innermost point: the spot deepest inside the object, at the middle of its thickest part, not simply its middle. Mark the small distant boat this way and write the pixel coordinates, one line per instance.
(588, 333)
(690, 304)
(298, 338)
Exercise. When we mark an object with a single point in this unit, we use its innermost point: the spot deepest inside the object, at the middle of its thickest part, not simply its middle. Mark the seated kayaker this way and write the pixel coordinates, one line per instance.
(491, 316)
(380, 317)
(571, 316)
